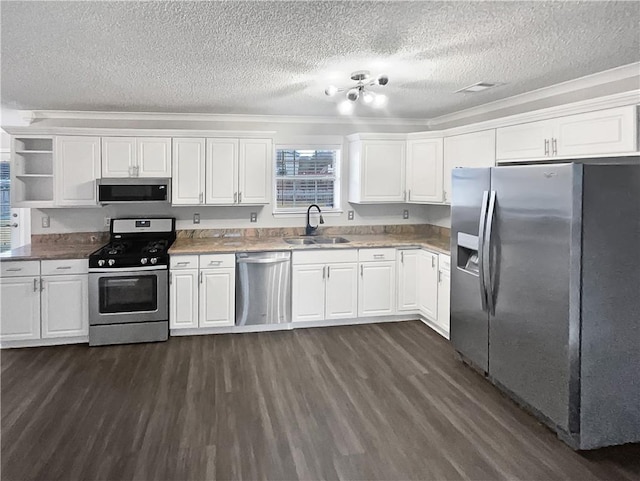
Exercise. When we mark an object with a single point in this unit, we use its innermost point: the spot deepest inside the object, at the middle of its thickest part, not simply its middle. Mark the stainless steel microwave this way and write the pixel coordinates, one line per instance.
(121, 191)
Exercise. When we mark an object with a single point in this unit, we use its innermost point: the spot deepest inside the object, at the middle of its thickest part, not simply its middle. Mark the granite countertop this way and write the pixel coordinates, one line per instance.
(34, 252)
(211, 245)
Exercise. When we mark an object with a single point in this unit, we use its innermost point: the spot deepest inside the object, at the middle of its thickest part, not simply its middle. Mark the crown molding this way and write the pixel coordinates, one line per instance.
(600, 78)
(32, 116)
(133, 132)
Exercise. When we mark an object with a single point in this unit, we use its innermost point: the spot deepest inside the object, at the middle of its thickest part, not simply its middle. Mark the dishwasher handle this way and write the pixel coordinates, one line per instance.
(249, 260)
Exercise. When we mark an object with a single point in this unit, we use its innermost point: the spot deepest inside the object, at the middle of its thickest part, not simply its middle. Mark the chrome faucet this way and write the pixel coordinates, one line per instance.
(310, 230)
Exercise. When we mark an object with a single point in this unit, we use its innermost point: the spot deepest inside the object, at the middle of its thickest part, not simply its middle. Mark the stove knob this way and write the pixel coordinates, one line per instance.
(101, 262)
(111, 262)
(153, 260)
(143, 261)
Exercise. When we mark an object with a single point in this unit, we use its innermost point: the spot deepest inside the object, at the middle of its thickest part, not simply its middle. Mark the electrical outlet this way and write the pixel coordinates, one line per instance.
(46, 222)
(107, 221)
(350, 215)
(405, 214)
(196, 218)
(254, 217)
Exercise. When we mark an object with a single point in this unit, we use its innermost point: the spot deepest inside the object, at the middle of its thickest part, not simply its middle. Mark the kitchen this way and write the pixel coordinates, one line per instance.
(165, 193)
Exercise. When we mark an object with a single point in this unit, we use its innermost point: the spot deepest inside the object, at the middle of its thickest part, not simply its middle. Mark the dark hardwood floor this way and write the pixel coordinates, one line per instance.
(386, 401)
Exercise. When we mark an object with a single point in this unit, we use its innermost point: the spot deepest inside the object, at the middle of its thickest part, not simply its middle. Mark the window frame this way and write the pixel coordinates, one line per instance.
(337, 181)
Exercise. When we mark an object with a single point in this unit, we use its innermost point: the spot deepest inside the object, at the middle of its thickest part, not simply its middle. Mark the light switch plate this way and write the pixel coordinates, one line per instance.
(196, 218)
(46, 222)
(405, 214)
(107, 221)
(350, 215)
(254, 217)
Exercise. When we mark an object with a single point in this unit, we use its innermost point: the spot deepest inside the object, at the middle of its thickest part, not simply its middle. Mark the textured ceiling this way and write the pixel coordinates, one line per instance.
(277, 57)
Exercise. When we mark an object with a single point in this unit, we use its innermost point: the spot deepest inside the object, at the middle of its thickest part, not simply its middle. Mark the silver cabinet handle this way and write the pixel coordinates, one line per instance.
(324, 268)
(239, 197)
(235, 197)
(15, 224)
(182, 263)
(439, 277)
(14, 269)
(433, 261)
(41, 285)
(170, 279)
(361, 270)
(546, 146)
(404, 195)
(62, 268)
(378, 256)
(402, 257)
(328, 272)
(554, 146)
(35, 284)
(200, 277)
(409, 194)
(201, 197)
(215, 263)
(136, 169)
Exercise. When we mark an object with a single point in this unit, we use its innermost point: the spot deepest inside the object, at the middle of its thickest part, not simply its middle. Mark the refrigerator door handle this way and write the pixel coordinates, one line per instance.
(486, 255)
(481, 233)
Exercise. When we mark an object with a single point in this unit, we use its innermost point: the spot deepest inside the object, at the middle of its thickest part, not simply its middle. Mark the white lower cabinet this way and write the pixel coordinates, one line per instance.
(428, 284)
(408, 278)
(377, 284)
(202, 291)
(65, 302)
(39, 302)
(444, 294)
(20, 308)
(324, 285)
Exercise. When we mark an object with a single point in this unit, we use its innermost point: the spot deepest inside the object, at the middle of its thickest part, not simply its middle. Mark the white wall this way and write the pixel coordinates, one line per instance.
(93, 219)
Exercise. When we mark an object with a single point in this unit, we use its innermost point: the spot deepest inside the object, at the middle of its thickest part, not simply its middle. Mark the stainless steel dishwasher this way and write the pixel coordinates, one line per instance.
(263, 288)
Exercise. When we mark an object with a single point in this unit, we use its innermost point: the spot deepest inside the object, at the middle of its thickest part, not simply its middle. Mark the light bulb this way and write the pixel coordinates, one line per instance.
(382, 80)
(345, 107)
(331, 90)
(368, 97)
(380, 100)
(353, 94)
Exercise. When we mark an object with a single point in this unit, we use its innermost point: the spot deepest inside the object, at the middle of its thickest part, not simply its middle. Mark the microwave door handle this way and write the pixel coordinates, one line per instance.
(488, 278)
(481, 231)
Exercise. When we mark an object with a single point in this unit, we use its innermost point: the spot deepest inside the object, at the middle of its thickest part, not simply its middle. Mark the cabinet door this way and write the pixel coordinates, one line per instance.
(77, 166)
(308, 292)
(601, 132)
(154, 157)
(444, 300)
(255, 164)
(183, 299)
(383, 171)
(377, 289)
(424, 171)
(525, 141)
(428, 284)
(477, 149)
(222, 171)
(408, 279)
(65, 305)
(118, 156)
(187, 183)
(217, 297)
(19, 308)
(341, 291)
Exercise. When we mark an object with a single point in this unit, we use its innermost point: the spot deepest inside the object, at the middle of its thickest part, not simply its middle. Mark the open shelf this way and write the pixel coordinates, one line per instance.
(33, 171)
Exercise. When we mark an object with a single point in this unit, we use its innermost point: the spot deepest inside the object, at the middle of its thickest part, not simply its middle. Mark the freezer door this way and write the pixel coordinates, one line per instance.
(530, 273)
(469, 318)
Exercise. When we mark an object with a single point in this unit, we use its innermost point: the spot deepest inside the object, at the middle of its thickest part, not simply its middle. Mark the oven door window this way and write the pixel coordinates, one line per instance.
(128, 294)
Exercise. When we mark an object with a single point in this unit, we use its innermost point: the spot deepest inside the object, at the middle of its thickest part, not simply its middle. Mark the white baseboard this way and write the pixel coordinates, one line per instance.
(58, 341)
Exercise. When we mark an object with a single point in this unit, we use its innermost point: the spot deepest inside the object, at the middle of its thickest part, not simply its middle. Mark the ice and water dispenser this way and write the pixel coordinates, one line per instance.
(468, 253)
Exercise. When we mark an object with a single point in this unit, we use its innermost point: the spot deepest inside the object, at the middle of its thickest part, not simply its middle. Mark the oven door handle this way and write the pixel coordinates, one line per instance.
(126, 270)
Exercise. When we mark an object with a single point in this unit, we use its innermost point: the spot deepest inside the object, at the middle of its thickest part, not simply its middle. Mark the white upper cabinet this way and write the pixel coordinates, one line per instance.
(76, 168)
(222, 171)
(118, 156)
(424, 171)
(609, 131)
(377, 171)
(153, 157)
(188, 180)
(477, 149)
(254, 171)
(601, 132)
(136, 157)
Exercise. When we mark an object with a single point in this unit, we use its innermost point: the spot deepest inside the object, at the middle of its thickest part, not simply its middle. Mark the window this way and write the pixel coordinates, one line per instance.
(5, 206)
(307, 176)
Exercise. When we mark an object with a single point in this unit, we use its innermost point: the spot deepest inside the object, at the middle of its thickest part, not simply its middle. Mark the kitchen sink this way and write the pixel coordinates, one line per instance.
(331, 240)
(298, 241)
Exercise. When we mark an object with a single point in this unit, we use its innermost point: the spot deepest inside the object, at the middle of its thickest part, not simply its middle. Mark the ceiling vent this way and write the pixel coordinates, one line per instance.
(478, 87)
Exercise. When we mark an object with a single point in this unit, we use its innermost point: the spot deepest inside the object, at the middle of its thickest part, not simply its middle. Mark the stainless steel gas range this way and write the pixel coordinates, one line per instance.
(129, 283)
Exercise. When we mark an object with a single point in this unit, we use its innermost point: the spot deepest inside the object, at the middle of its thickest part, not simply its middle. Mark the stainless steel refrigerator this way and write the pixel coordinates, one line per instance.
(545, 292)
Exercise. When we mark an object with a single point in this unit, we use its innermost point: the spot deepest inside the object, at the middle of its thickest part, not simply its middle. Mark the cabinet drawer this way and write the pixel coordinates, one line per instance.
(20, 268)
(324, 256)
(183, 262)
(445, 262)
(69, 266)
(369, 255)
(213, 261)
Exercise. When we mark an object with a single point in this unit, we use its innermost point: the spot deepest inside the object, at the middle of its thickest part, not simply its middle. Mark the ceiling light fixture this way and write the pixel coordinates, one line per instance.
(360, 91)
